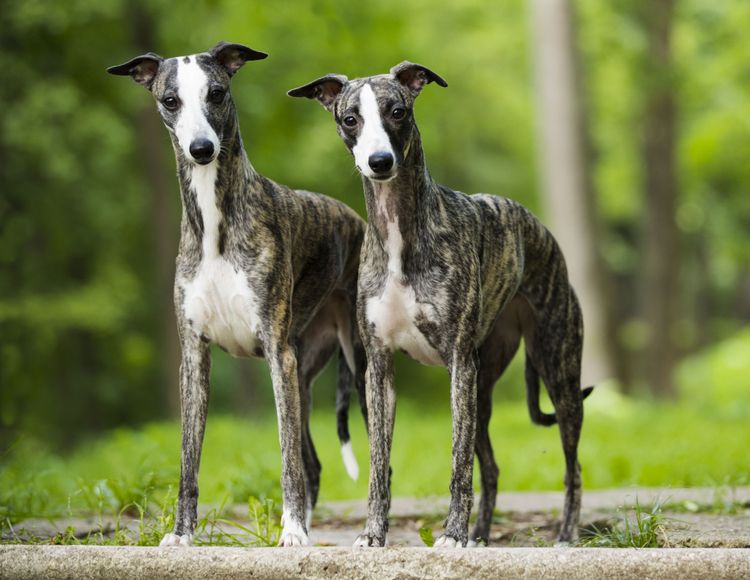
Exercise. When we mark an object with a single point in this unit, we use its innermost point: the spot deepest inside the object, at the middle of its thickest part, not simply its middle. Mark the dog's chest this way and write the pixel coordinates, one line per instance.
(220, 305)
(396, 311)
(219, 302)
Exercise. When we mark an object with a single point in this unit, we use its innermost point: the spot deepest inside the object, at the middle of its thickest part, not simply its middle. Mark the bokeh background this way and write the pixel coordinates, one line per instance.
(625, 125)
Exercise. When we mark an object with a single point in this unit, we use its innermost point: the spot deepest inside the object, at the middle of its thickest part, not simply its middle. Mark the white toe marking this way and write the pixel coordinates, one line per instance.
(175, 540)
(293, 533)
(350, 460)
(447, 542)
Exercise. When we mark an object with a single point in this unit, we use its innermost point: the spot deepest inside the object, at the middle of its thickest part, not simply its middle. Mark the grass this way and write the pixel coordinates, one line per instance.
(637, 528)
(701, 441)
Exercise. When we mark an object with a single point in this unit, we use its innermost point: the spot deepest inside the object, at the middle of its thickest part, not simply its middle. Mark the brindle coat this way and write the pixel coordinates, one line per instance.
(464, 277)
(262, 270)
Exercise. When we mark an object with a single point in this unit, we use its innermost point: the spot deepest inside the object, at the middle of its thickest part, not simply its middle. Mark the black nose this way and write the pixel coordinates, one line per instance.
(202, 150)
(380, 162)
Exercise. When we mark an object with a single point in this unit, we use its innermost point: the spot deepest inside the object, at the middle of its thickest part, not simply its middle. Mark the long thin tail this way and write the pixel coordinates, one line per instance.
(343, 397)
(532, 396)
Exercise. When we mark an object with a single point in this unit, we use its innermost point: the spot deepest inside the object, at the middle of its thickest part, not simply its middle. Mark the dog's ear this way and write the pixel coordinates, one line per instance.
(325, 89)
(233, 56)
(142, 68)
(415, 76)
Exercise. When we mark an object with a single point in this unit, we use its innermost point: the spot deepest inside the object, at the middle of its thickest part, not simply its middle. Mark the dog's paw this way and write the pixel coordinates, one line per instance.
(365, 540)
(447, 542)
(293, 535)
(176, 540)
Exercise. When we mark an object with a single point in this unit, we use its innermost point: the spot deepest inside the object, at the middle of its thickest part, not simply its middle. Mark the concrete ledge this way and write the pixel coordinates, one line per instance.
(85, 562)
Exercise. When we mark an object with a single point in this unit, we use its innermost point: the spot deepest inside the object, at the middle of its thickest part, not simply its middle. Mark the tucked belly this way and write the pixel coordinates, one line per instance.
(221, 306)
(394, 314)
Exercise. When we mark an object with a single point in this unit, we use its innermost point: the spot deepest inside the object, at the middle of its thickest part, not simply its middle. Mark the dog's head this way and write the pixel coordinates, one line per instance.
(192, 94)
(374, 115)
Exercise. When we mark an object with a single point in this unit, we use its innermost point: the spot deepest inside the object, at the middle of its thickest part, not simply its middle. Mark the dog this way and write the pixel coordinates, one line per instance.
(452, 280)
(262, 270)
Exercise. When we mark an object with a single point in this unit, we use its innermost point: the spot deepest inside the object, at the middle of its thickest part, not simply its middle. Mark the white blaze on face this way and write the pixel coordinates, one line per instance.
(192, 90)
(373, 138)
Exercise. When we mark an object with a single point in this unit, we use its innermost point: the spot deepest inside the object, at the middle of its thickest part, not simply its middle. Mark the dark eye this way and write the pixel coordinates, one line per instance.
(216, 95)
(171, 103)
(398, 113)
(350, 121)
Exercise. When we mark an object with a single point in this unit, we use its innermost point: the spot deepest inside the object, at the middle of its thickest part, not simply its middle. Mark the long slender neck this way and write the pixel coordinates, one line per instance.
(403, 201)
(210, 193)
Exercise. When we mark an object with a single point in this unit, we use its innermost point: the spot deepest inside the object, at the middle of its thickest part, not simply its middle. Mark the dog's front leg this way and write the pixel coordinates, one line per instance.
(381, 408)
(464, 411)
(194, 388)
(283, 361)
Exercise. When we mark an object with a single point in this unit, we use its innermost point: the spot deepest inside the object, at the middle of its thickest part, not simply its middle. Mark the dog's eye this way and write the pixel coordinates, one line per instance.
(216, 95)
(171, 103)
(350, 121)
(398, 113)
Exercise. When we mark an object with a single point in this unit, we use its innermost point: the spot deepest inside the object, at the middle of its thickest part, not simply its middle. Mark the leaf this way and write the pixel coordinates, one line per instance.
(426, 536)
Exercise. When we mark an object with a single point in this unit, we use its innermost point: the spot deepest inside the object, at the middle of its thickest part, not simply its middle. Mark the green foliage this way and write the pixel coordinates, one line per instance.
(637, 528)
(425, 534)
(82, 297)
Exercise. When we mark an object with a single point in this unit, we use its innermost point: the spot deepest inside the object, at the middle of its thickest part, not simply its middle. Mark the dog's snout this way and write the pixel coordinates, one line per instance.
(380, 162)
(202, 150)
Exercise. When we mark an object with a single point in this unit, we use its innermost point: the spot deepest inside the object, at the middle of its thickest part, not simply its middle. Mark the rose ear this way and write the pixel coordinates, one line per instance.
(142, 68)
(415, 76)
(325, 89)
(233, 56)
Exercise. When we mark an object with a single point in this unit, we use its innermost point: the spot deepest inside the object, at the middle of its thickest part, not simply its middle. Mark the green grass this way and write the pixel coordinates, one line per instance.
(701, 441)
(623, 443)
(638, 528)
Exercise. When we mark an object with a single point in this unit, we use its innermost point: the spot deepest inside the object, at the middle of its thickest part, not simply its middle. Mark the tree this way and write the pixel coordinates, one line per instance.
(566, 184)
(661, 255)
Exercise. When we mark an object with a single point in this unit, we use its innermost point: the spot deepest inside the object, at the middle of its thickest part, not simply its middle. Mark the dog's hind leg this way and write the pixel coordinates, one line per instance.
(568, 402)
(315, 349)
(556, 354)
(495, 357)
(194, 389)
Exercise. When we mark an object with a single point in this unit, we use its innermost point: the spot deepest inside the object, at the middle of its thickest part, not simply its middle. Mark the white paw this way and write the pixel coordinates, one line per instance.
(471, 544)
(293, 534)
(175, 540)
(447, 542)
(365, 541)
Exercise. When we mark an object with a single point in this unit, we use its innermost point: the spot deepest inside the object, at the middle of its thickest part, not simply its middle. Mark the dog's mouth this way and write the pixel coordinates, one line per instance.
(382, 177)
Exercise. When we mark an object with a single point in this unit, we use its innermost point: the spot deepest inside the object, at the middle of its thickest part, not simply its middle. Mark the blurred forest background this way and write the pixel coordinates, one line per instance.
(625, 125)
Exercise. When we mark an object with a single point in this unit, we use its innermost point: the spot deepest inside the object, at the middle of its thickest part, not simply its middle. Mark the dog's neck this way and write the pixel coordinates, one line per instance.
(210, 193)
(404, 201)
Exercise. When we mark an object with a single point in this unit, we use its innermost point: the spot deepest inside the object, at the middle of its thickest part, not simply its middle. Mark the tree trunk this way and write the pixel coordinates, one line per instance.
(161, 186)
(566, 184)
(661, 240)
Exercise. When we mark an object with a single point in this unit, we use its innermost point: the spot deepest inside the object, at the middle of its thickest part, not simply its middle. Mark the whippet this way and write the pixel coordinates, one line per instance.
(452, 280)
(262, 270)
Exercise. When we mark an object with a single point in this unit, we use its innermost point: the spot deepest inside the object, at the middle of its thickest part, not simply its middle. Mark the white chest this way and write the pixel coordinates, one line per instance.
(394, 313)
(219, 303)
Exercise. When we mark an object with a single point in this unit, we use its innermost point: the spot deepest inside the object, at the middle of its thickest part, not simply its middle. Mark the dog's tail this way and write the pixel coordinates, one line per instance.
(532, 396)
(343, 396)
